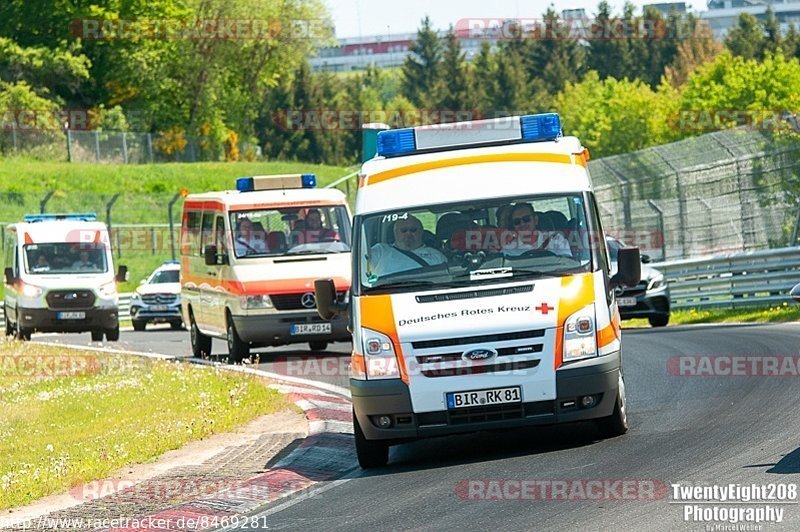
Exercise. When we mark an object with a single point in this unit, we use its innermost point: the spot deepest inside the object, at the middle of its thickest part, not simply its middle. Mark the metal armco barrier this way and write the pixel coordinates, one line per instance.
(753, 279)
(124, 307)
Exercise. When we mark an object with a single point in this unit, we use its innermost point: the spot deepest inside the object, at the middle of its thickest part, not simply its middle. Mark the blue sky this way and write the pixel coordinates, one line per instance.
(378, 17)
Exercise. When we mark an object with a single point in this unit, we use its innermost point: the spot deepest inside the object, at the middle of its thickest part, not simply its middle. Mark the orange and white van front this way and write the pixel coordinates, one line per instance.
(481, 295)
(249, 258)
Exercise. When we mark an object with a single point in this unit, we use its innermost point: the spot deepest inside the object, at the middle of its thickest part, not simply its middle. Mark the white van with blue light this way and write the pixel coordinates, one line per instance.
(59, 277)
(481, 297)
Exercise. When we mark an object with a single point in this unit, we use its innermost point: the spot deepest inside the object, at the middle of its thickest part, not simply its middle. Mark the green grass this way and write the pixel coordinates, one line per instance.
(61, 430)
(779, 313)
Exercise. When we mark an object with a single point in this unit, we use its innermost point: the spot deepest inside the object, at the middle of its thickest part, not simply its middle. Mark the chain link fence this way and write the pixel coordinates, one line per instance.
(114, 147)
(729, 191)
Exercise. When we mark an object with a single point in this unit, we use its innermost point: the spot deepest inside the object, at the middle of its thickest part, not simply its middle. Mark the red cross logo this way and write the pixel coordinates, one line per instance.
(544, 308)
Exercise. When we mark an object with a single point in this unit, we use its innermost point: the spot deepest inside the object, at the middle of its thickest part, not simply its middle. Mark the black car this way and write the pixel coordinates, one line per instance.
(648, 299)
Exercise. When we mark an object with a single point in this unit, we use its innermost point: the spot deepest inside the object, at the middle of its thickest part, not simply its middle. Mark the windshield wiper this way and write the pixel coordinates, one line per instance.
(403, 284)
(313, 252)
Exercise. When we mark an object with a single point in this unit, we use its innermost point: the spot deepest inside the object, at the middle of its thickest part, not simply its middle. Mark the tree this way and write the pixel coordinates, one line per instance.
(746, 39)
(451, 91)
(608, 56)
(420, 68)
(773, 41)
(696, 50)
(483, 83)
(555, 60)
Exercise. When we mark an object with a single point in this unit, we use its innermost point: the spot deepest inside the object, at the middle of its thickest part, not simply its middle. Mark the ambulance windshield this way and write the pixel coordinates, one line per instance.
(480, 242)
(290, 231)
(65, 258)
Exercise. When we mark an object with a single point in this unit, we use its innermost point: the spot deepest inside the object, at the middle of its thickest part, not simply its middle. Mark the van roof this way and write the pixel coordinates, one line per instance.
(61, 231)
(266, 198)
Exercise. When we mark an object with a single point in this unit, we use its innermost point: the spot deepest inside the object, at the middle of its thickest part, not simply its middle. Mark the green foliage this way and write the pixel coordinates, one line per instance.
(421, 67)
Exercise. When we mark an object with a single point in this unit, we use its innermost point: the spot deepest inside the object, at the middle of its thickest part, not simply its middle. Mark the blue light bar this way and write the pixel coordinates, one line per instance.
(545, 126)
(396, 142)
(309, 181)
(244, 184)
(85, 217)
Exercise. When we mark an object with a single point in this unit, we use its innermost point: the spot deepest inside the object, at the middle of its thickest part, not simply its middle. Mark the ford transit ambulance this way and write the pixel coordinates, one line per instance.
(481, 296)
(59, 277)
(249, 258)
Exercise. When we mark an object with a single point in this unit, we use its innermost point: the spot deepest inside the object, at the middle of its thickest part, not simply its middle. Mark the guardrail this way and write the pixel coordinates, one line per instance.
(124, 307)
(752, 279)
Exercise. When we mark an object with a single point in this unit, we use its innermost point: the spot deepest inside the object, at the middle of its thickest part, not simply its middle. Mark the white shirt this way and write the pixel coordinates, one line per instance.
(385, 259)
(249, 246)
(553, 241)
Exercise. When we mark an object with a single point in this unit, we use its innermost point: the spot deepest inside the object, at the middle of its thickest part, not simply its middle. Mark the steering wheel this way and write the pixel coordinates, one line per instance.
(536, 253)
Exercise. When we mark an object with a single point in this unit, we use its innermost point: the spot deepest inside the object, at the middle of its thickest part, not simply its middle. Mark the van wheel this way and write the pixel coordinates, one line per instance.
(370, 453)
(238, 350)
(617, 423)
(318, 345)
(22, 333)
(177, 325)
(9, 328)
(112, 335)
(97, 336)
(201, 344)
(139, 325)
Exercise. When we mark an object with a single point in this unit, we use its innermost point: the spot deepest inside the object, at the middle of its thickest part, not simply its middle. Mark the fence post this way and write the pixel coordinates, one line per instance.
(707, 205)
(69, 146)
(150, 147)
(681, 203)
(626, 194)
(660, 214)
(172, 224)
(45, 199)
(124, 148)
(108, 219)
(96, 145)
(796, 228)
(14, 135)
(153, 240)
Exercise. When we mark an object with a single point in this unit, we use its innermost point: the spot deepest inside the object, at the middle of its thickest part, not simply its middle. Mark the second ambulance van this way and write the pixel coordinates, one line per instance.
(482, 296)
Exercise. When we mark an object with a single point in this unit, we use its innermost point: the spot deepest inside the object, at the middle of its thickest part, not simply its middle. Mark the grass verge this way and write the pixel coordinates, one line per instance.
(779, 313)
(68, 417)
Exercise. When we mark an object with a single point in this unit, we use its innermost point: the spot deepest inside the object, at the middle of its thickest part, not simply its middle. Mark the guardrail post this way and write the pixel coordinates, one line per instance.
(660, 214)
(124, 148)
(43, 202)
(172, 224)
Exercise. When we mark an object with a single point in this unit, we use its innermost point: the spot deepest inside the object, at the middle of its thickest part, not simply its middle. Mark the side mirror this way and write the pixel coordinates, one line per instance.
(210, 254)
(795, 293)
(327, 306)
(646, 259)
(9, 273)
(629, 268)
(122, 274)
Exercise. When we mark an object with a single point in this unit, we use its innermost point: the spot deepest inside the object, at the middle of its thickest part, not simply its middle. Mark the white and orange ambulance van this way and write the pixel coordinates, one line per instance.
(249, 258)
(482, 297)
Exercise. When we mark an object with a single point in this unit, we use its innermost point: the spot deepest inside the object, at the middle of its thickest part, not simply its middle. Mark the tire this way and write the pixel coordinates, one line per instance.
(318, 345)
(9, 328)
(112, 335)
(370, 453)
(617, 423)
(201, 344)
(97, 336)
(23, 334)
(177, 325)
(139, 325)
(238, 349)
(659, 321)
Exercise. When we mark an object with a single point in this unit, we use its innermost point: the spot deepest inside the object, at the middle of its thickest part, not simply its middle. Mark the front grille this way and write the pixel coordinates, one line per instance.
(472, 294)
(482, 414)
(292, 301)
(477, 370)
(70, 299)
(159, 299)
(485, 339)
(503, 351)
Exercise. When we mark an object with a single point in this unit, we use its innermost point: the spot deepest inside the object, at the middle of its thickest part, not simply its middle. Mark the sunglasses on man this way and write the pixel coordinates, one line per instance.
(522, 219)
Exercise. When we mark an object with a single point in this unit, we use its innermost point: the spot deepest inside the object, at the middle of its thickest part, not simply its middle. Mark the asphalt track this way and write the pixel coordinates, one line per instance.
(687, 430)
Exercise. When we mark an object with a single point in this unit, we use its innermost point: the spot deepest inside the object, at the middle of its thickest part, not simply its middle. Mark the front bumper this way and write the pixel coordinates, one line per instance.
(598, 376)
(147, 313)
(651, 303)
(275, 329)
(46, 320)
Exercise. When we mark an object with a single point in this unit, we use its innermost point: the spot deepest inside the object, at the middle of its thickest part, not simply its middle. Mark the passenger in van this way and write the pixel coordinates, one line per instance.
(503, 215)
(408, 251)
(84, 263)
(41, 264)
(249, 241)
(313, 231)
(527, 237)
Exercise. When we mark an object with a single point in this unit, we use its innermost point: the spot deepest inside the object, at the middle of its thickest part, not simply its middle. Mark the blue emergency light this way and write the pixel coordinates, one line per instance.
(84, 217)
(276, 182)
(527, 128)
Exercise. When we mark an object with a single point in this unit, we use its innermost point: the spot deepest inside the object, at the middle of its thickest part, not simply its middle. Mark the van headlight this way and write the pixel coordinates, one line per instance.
(380, 360)
(579, 335)
(656, 282)
(29, 290)
(255, 302)
(109, 289)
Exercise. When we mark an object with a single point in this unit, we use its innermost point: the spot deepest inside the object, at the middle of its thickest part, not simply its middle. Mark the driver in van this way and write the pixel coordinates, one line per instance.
(249, 240)
(524, 221)
(407, 252)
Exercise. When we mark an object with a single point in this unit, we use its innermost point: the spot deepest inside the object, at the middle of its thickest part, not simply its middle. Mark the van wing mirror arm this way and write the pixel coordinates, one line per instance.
(328, 306)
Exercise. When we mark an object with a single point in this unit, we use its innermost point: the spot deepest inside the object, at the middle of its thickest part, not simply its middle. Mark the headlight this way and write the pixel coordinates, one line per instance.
(380, 360)
(656, 282)
(579, 335)
(136, 297)
(255, 302)
(109, 289)
(29, 290)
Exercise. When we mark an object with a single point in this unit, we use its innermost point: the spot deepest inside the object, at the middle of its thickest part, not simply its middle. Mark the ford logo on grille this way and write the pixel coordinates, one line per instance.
(71, 296)
(308, 300)
(479, 354)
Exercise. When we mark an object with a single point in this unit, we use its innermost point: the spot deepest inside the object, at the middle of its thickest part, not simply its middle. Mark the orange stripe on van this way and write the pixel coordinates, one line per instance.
(473, 159)
(576, 292)
(251, 288)
(606, 336)
(376, 313)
